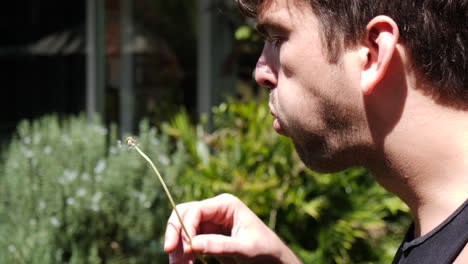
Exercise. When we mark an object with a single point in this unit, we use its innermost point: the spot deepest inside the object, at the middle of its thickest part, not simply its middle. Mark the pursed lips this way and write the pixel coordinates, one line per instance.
(276, 122)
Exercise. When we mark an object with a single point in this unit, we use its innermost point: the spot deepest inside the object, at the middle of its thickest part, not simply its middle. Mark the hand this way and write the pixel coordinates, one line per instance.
(225, 227)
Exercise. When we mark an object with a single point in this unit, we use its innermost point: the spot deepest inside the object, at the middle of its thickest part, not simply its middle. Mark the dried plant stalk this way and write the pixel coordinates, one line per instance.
(132, 142)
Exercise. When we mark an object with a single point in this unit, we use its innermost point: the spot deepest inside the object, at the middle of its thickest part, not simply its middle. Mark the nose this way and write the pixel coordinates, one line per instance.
(265, 74)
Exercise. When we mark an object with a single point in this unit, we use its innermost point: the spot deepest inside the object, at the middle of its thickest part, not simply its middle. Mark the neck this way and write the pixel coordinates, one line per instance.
(425, 162)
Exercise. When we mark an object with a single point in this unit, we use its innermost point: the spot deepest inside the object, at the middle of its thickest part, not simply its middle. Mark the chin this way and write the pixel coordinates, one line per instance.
(320, 158)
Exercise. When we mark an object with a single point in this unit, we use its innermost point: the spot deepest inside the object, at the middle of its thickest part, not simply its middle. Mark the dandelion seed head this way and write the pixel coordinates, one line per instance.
(131, 141)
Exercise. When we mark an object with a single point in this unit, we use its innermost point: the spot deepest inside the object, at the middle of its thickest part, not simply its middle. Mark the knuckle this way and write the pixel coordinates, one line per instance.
(228, 197)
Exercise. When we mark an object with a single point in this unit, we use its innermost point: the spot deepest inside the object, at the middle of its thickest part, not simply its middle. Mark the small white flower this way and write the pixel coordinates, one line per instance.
(85, 176)
(96, 197)
(27, 152)
(47, 149)
(113, 150)
(164, 160)
(100, 130)
(70, 201)
(27, 140)
(100, 166)
(61, 180)
(70, 175)
(147, 204)
(14, 165)
(54, 221)
(42, 205)
(142, 197)
(37, 138)
(81, 192)
(66, 139)
(95, 207)
(12, 248)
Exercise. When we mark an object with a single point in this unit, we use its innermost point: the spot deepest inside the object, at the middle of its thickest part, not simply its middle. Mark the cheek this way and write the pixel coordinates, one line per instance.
(296, 105)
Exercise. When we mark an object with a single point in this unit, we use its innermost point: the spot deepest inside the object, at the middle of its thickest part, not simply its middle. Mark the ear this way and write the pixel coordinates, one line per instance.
(381, 38)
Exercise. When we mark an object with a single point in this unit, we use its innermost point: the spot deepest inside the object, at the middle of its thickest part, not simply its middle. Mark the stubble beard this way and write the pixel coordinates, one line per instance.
(332, 148)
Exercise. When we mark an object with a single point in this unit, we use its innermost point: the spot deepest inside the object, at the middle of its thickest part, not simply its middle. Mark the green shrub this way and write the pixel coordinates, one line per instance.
(70, 193)
(68, 198)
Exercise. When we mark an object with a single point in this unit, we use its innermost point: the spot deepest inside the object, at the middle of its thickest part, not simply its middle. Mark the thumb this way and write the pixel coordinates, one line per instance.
(219, 245)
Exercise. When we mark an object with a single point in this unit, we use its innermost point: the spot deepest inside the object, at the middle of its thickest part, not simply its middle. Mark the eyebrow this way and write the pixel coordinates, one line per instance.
(265, 26)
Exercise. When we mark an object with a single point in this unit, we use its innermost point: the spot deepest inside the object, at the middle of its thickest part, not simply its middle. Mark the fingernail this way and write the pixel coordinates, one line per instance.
(187, 249)
(166, 244)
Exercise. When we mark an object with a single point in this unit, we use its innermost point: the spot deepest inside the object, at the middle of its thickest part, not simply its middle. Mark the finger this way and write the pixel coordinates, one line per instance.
(171, 237)
(173, 229)
(220, 245)
(218, 211)
(178, 256)
(211, 212)
(191, 227)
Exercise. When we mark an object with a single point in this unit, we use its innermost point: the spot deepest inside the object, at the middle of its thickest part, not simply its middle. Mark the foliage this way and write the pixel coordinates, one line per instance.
(67, 198)
(71, 194)
(325, 218)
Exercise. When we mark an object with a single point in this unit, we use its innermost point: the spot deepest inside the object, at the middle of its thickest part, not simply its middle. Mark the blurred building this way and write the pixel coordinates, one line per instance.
(123, 60)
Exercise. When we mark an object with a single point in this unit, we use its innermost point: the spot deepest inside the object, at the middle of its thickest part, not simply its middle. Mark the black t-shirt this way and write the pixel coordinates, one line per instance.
(441, 245)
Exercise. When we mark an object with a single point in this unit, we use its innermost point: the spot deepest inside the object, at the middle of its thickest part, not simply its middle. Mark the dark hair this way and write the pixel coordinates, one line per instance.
(435, 32)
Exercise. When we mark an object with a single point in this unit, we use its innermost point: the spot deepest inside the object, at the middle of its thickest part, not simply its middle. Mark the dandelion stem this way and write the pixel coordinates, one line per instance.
(132, 142)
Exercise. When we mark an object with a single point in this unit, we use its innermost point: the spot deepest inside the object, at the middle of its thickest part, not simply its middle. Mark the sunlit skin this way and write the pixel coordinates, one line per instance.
(367, 109)
(319, 105)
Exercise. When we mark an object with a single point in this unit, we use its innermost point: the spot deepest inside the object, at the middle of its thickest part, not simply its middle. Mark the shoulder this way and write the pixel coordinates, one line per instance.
(462, 257)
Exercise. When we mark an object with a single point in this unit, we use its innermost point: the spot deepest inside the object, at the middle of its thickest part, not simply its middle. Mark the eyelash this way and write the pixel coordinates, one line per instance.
(276, 42)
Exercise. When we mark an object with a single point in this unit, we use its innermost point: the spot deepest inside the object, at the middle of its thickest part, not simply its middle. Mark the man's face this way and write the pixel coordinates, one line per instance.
(316, 103)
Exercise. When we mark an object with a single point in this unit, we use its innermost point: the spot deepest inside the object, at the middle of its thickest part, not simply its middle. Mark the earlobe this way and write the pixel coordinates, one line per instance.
(381, 39)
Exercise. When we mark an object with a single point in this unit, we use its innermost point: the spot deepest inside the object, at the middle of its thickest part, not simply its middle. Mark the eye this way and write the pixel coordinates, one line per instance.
(275, 41)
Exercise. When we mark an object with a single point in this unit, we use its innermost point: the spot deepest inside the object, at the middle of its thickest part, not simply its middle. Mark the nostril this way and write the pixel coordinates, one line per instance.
(264, 75)
(267, 83)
